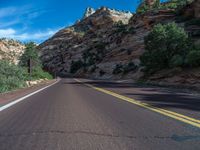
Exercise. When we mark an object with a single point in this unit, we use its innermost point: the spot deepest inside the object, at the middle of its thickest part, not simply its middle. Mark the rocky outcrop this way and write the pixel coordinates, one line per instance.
(105, 39)
(11, 50)
(89, 11)
(98, 32)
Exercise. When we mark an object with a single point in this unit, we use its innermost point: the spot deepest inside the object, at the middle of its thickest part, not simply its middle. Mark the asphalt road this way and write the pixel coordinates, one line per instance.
(73, 116)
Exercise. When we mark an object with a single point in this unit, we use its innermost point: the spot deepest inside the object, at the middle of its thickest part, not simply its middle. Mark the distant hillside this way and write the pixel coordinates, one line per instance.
(11, 50)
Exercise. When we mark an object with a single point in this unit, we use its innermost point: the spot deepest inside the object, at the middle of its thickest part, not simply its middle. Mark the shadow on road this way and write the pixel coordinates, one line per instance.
(153, 95)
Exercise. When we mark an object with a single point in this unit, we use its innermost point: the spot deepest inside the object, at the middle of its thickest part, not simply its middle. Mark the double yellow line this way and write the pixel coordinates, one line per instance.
(174, 115)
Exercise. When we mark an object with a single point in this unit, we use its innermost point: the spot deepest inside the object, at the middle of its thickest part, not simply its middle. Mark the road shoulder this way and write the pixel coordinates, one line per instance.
(8, 97)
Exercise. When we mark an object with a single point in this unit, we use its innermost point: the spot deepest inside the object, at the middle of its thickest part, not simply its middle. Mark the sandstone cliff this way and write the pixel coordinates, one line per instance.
(11, 50)
(103, 34)
(107, 39)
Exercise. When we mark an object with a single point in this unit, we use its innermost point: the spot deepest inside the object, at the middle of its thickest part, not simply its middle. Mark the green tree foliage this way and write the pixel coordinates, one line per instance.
(39, 73)
(129, 67)
(193, 58)
(14, 76)
(30, 53)
(166, 46)
(172, 4)
(11, 76)
(118, 69)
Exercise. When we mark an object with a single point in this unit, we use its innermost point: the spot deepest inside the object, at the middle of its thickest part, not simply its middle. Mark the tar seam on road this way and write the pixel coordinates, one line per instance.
(23, 98)
(171, 114)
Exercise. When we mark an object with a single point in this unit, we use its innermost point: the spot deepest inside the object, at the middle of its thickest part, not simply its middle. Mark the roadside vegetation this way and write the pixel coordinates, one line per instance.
(15, 76)
(125, 68)
(89, 58)
(169, 46)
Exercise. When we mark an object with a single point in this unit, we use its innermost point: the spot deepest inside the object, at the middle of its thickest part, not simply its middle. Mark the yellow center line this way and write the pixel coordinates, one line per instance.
(174, 115)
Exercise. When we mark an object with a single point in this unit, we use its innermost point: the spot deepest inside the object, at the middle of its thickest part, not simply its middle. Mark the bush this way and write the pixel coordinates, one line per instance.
(93, 69)
(176, 61)
(172, 4)
(142, 9)
(193, 58)
(101, 72)
(11, 77)
(76, 65)
(39, 73)
(118, 69)
(163, 45)
(129, 67)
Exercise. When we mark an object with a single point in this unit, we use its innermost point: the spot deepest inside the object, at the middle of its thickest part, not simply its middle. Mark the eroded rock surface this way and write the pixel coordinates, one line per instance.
(11, 50)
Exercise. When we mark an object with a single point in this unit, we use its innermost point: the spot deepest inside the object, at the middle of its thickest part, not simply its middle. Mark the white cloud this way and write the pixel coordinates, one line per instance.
(37, 36)
(14, 15)
(7, 32)
(16, 22)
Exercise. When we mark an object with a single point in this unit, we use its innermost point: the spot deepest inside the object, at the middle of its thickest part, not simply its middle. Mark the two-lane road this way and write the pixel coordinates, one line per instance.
(73, 115)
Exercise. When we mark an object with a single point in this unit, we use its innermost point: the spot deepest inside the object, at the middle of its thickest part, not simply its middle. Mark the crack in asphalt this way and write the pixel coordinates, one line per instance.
(82, 132)
(177, 138)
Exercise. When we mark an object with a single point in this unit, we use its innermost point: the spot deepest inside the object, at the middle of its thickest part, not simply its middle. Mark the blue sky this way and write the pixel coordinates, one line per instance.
(37, 20)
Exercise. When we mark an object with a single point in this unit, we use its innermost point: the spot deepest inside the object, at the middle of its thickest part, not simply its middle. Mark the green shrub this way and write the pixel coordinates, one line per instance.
(129, 67)
(124, 29)
(100, 46)
(101, 72)
(118, 69)
(176, 61)
(93, 69)
(172, 4)
(193, 58)
(76, 65)
(142, 9)
(162, 44)
(131, 30)
(39, 73)
(119, 24)
(11, 77)
(126, 68)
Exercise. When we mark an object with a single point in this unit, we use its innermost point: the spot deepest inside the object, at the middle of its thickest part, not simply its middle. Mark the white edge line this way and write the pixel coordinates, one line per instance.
(23, 98)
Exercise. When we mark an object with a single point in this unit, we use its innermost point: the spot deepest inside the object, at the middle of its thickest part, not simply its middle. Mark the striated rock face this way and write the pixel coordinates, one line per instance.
(98, 33)
(103, 39)
(11, 50)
